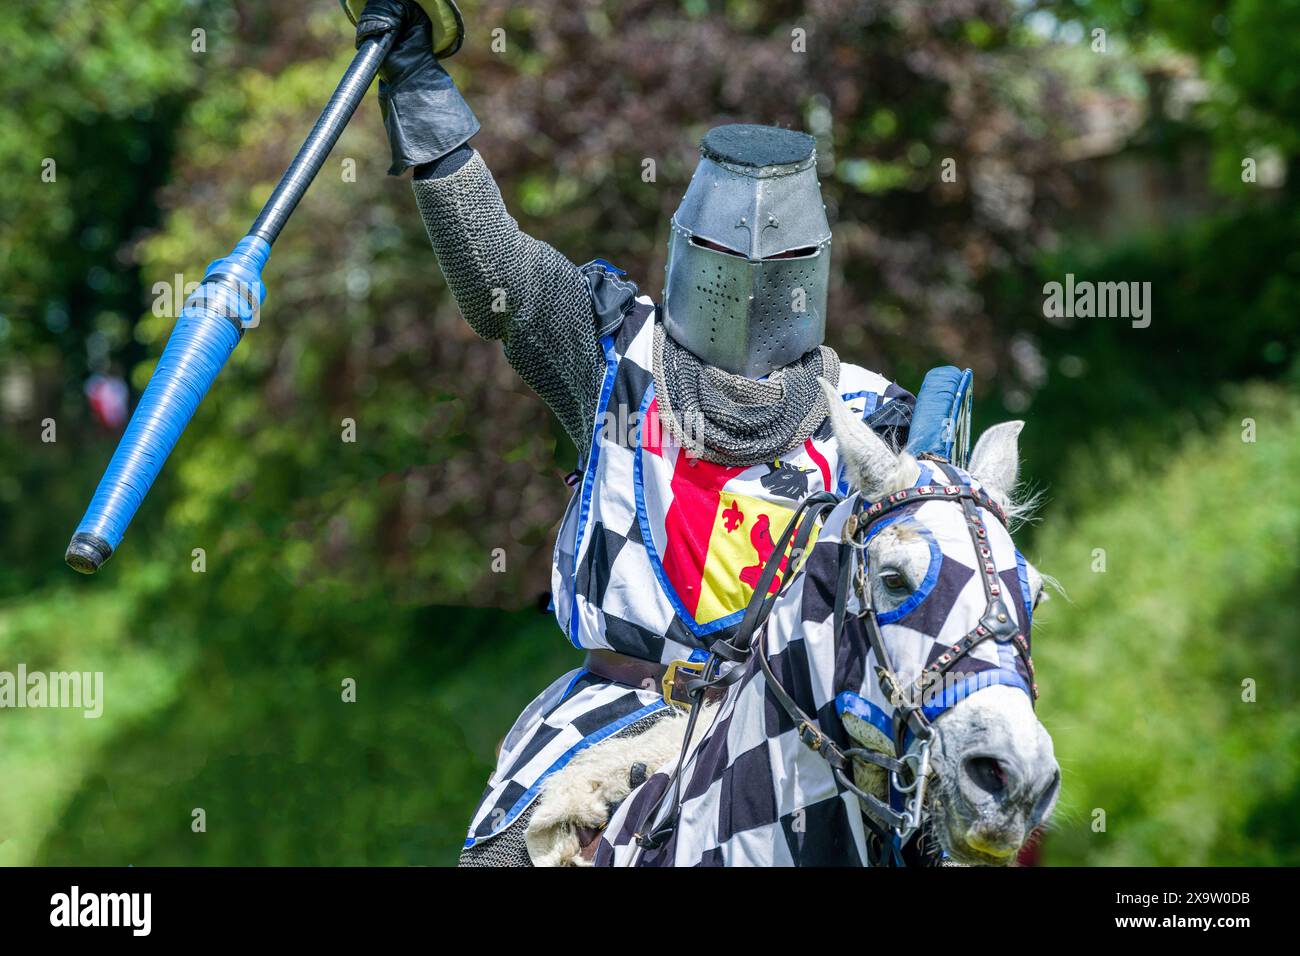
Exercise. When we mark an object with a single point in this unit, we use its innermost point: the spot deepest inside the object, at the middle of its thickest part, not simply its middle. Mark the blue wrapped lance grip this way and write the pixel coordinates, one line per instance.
(209, 328)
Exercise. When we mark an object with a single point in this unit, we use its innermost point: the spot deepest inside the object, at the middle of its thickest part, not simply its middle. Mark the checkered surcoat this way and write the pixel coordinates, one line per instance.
(657, 556)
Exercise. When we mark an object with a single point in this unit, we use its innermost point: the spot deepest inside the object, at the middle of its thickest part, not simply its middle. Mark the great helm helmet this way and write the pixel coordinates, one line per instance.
(749, 253)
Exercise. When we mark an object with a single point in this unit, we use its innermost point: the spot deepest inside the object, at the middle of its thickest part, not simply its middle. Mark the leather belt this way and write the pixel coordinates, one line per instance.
(669, 679)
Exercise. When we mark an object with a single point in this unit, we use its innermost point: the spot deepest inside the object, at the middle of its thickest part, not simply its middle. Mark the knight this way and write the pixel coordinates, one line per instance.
(656, 554)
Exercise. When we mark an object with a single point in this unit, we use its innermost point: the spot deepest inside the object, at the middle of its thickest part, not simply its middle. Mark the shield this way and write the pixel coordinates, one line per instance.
(720, 525)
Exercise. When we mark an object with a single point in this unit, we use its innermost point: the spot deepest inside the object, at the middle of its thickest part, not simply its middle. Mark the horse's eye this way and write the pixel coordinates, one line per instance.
(894, 581)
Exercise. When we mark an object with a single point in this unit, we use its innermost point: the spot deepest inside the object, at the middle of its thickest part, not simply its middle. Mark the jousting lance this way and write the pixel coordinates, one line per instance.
(209, 328)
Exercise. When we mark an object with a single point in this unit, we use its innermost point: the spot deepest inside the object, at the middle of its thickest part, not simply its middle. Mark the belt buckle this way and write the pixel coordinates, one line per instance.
(668, 682)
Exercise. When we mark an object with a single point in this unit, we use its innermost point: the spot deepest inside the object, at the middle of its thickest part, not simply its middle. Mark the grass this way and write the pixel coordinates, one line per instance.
(282, 769)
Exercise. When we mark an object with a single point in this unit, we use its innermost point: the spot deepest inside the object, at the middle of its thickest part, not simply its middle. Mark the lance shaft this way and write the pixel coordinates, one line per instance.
(347, 96)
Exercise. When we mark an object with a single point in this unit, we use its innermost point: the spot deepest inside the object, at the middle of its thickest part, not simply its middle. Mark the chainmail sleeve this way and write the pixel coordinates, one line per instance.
(517, 290)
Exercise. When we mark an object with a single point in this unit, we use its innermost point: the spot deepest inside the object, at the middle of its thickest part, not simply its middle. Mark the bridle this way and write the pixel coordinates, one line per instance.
(908, 770)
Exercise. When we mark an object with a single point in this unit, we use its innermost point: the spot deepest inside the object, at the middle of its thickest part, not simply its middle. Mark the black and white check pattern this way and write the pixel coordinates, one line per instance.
(576, 712)
(753, 794)
(607, 589)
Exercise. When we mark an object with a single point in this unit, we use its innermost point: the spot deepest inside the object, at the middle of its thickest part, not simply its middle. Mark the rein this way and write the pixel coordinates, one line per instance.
(908, 772)
(736, 650)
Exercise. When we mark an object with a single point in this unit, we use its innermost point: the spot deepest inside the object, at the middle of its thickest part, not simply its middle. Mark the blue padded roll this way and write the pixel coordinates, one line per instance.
(936, 419)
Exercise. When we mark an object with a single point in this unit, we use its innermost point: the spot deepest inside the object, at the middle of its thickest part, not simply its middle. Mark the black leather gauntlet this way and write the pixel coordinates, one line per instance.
(424, 113)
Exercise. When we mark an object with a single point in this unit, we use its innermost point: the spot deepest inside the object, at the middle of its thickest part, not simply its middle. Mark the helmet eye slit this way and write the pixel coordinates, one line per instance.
(802, 252)
(716, 247)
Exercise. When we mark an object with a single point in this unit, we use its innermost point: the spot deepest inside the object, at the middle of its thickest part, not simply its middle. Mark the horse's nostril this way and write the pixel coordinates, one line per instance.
(989, 774)
(1045, 799)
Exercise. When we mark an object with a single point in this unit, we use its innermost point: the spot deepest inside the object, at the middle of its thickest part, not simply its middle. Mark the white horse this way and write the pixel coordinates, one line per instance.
(899, 725)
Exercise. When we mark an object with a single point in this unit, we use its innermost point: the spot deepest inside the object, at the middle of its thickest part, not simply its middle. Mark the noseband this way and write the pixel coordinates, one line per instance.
(908, 772)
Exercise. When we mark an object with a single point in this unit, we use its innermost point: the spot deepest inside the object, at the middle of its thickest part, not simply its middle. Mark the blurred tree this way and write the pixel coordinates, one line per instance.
(1187, 182)
(1246, 91)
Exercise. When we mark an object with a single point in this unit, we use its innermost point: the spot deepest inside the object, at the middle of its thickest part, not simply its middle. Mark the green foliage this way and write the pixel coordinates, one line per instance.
(1248, 51)
(1142, 666)
(78, 77)
(89, 100)
(239, 711)
(1224, 293)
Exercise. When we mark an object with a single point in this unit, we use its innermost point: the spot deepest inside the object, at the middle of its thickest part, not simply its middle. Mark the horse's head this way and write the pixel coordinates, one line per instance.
(939, 568)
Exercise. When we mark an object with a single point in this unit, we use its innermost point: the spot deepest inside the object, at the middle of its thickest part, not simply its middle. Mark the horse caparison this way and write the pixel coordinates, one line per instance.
(908, 771)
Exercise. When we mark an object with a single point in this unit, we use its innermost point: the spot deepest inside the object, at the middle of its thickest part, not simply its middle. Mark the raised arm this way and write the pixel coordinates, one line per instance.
(515, 289)
(547, 312)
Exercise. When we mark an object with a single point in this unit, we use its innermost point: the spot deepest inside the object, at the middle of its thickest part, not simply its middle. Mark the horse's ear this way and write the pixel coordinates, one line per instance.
(872, 467)
(996, 459)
